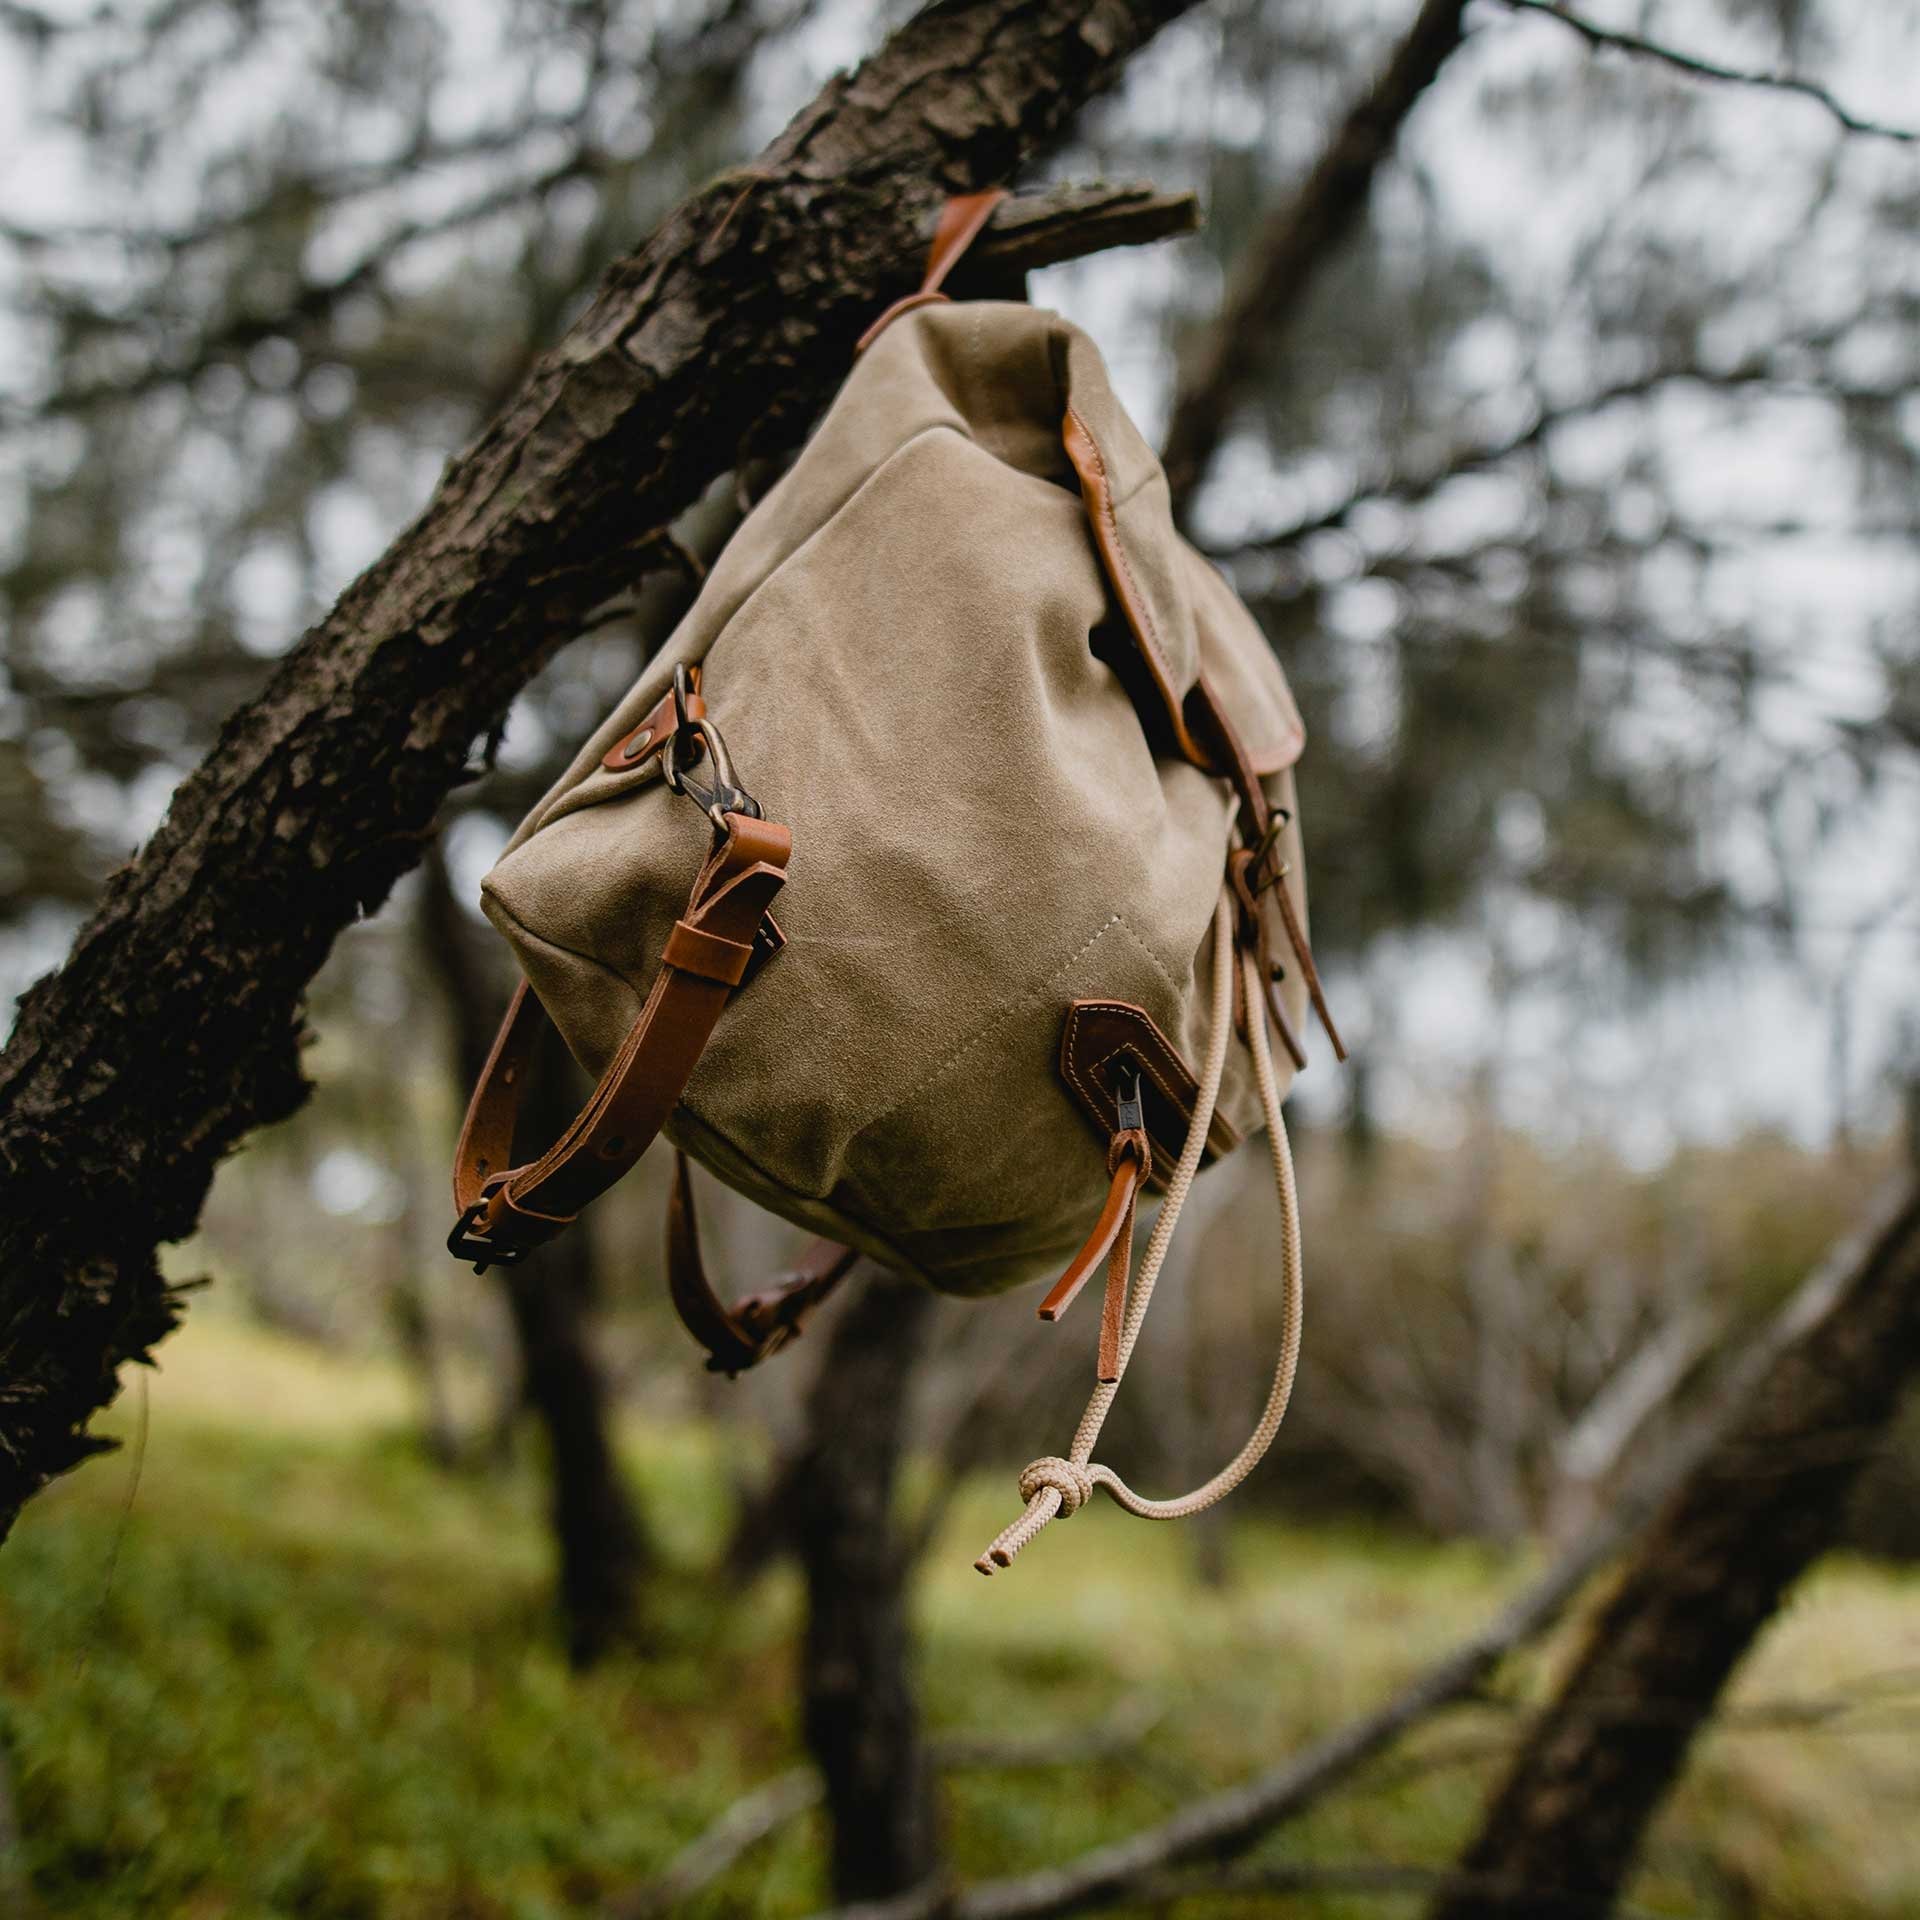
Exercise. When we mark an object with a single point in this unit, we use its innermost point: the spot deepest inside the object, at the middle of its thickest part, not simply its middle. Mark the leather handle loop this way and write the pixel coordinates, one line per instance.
(962, 220)
(506, 1211)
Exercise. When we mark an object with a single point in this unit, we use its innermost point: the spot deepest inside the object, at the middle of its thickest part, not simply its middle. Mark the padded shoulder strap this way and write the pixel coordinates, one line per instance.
(507, 1211)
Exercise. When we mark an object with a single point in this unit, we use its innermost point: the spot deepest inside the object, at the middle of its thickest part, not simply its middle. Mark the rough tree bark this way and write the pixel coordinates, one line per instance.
(602, 1548)
(1564, 1828)
(174, 1026)
(1301, 234)
(862, 1720)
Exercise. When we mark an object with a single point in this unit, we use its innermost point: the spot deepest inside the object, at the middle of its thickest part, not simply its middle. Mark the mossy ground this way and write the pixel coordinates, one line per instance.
(299, 1670)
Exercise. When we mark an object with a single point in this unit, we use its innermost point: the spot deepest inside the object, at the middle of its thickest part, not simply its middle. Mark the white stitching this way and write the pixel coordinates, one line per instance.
(1034, 996)
(1182, 1102)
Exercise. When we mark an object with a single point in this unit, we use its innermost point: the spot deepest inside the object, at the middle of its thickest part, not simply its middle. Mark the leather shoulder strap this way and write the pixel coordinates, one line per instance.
(506, 1211)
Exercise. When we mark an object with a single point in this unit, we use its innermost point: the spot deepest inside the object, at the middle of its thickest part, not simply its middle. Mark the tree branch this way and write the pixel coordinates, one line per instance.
(174, 1026)
(1226, 1823)
(1363, 1877)
(1610, 38)
(1271, 284)
(1416, 485)
(770, 1806)
(1764, 1504)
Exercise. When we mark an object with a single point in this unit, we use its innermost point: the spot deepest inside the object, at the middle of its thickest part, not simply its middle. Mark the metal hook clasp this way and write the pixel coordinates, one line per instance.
(690, 737)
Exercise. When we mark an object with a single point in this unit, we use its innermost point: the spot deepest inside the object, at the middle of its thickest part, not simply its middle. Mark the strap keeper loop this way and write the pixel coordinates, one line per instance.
(711, 956)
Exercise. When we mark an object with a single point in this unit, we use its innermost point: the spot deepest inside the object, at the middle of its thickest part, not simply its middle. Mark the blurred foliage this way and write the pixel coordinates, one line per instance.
(1578, 499)
(299, 1674)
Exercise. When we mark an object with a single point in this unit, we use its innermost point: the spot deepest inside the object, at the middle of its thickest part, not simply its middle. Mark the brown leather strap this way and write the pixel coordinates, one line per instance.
(1255, 929)
(1266, 873)
(961, 221)
(1096, 494)
(1130, 1161)
(506, 1211)
(742, 1335)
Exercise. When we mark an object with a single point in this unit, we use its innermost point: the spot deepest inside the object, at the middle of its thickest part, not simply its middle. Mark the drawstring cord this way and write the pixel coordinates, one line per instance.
(1052, 1485)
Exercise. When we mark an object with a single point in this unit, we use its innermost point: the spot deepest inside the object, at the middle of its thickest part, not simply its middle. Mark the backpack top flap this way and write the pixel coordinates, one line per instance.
(1031, 389)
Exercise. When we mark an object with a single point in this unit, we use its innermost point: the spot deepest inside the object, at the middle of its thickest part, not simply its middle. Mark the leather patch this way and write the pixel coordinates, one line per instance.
(1100, 1036)
(639, 744)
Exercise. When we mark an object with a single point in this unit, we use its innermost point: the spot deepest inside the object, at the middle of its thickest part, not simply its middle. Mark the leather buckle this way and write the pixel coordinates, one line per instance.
(467, 1242)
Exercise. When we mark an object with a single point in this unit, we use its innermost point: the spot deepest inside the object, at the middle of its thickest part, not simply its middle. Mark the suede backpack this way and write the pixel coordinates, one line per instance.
(938, 885)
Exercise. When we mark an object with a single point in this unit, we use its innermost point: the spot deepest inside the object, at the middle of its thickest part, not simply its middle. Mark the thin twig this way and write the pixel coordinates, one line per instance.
(1699, 68)
(785, 1797)
(1414, 486)
(1228, 1822)
(1270, 285)
(1368, 1876)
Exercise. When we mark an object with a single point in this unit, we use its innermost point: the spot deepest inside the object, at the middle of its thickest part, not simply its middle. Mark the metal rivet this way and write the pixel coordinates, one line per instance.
(638, 745)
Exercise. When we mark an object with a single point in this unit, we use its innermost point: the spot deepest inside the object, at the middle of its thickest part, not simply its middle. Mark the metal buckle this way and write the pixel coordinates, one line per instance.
(723, 795)
(465, 1242)
(1128, 1114)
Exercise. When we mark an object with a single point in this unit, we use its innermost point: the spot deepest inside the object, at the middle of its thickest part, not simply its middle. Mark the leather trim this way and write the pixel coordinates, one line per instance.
(643, 743)
(1096, 491)
(1130, 1162)
(905, 304)
(1097, 1032)
(962, 220)
(710, 955)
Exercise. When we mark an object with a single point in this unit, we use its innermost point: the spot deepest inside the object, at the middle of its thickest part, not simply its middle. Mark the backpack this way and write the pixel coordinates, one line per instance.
(938, 885)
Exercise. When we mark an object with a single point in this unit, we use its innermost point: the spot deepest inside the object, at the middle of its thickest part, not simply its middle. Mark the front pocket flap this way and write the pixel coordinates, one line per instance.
(1099, 1035)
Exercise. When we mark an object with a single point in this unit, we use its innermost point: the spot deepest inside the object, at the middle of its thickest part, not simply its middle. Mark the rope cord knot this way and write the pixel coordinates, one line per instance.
(1070, 1482)
(1068, 1478)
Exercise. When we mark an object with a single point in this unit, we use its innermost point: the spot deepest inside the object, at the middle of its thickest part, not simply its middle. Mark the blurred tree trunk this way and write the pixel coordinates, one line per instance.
(602, 1548)
(1770, 1498)
(862, 1720)
(411, 1319)
(173, 1028)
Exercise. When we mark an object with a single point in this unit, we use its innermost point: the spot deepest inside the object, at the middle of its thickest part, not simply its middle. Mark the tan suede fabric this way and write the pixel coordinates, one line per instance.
(905, 646)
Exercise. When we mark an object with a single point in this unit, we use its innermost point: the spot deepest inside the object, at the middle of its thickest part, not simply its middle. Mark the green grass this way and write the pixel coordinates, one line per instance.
(303, 1672)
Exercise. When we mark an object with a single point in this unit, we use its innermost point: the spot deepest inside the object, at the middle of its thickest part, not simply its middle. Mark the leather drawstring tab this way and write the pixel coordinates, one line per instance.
(1057, 1487)
(1241, 867)
(1130, 1163)
(1261, 825)
(1297, 940)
